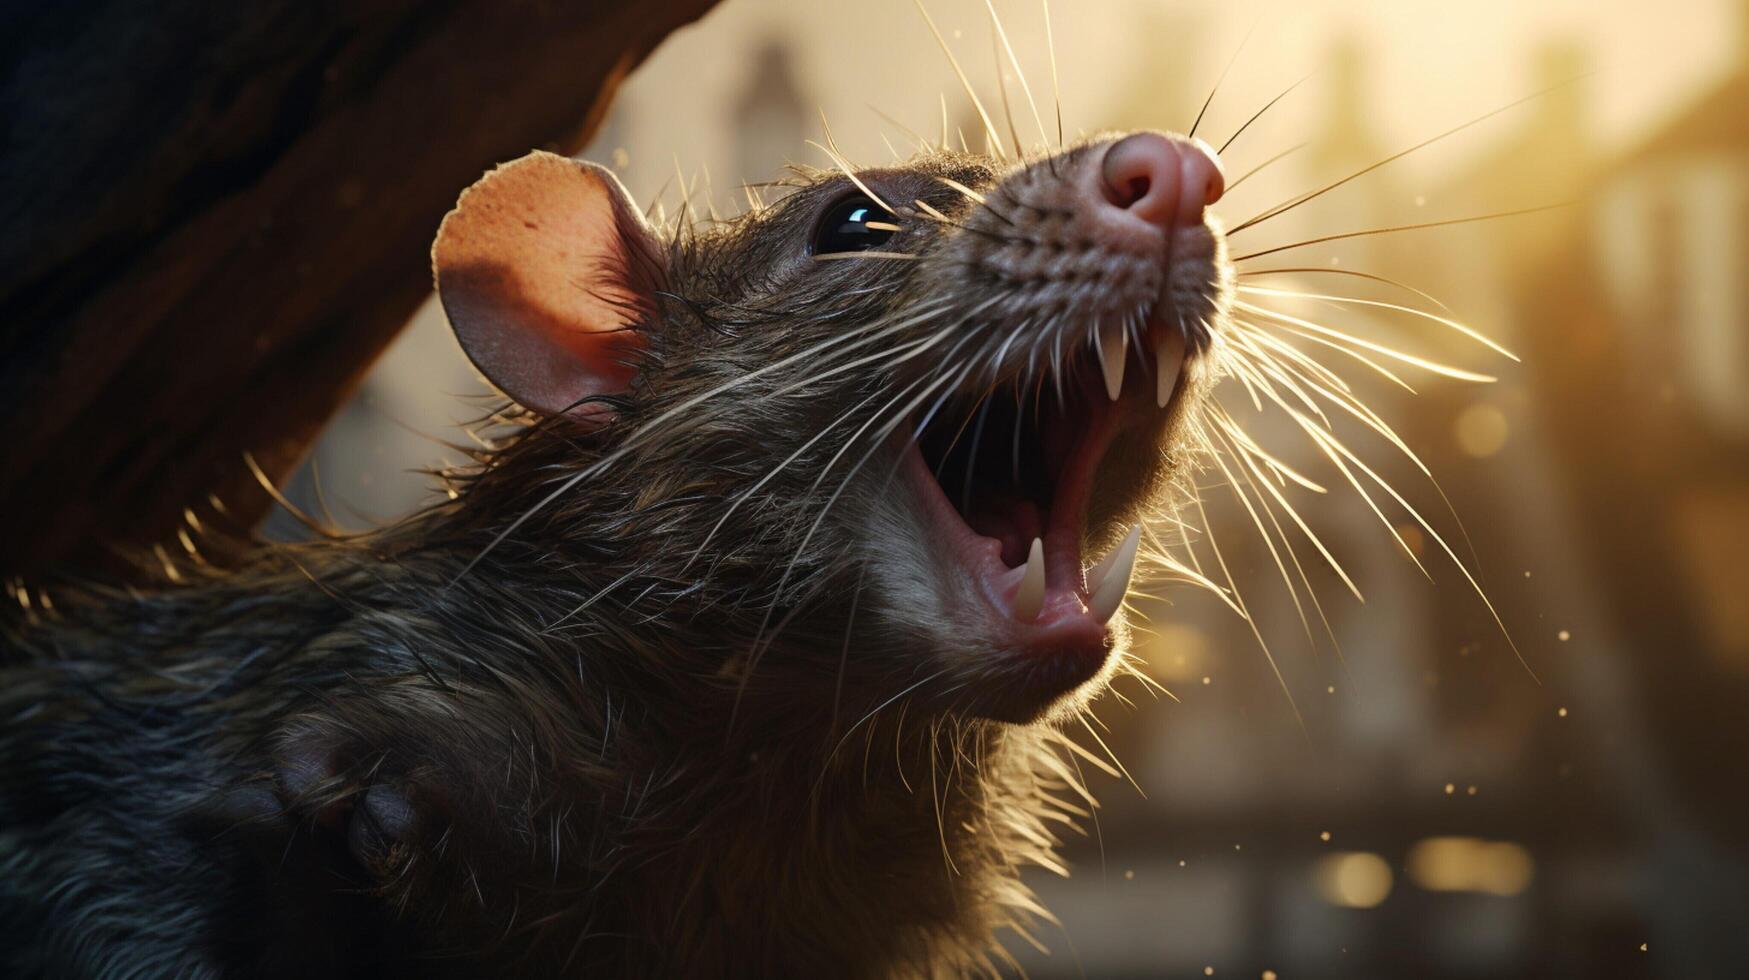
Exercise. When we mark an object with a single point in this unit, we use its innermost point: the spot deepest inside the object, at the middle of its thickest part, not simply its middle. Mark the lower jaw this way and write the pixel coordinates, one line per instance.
(1019, 664)
(979, 588)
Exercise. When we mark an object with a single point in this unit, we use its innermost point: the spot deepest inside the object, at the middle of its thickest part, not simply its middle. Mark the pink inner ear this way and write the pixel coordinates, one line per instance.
(537, 272)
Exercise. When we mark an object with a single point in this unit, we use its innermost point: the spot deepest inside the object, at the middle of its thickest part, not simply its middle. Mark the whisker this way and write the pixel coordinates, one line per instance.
(1056, 89)
(1189, 574)
(1396, 228)
(891, 149)
(972, 458)
(652, 213)
(1369, 418)
(1240, 452)
(831, 150)
(1292, 203)
(975, 198)
(1238, 600)
(1421, 362)
(944, 380)
(742, 497)
(1190, 546)
(876, 710)
(1092, 760)
(1375, 366)
(1223, 76)
(1341, 397)
(710, 196)
(897, 356)
(922, 143)
(967, 192)
(1081, 716)
(978, 104)
(1247, 175)
(1259, 113)
(1329, 439)
(865, 254)
(1335, 451)
(1154, 687)
(1019, 74)
(1245, 378)
(1002, 84)
(1429, 297)
(851, 341)
(1284, 473)
(1262, 353)
(935, 793)
(685, 194)
(1292, 590)
(930, 210)
(1378, 304)
(261, 478)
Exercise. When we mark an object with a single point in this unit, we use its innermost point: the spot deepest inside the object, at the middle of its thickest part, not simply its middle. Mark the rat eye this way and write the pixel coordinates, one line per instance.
(854, 224)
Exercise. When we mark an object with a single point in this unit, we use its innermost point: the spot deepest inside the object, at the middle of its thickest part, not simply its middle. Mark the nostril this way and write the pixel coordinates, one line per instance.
(1160, 179)
(1137, 189)
(1139, 173)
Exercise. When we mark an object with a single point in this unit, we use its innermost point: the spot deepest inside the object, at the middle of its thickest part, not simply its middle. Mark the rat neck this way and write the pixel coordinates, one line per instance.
(896, 850)
(764, 782)
(754, 804)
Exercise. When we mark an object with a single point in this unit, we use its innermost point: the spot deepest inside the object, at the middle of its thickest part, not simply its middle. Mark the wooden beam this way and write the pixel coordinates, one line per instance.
(219, 214)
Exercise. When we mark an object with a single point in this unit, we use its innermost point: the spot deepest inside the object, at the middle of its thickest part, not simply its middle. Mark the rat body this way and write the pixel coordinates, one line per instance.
(740, 654)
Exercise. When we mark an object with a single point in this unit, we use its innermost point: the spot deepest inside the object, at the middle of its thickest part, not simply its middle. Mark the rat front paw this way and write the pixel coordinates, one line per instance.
(382, 827)
(358, 803)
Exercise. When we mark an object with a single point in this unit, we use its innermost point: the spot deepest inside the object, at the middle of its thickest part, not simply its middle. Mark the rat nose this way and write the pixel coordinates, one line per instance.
(1160, 179)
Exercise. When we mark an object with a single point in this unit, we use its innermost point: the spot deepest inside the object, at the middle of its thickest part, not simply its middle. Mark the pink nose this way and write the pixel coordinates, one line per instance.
(1163, 180)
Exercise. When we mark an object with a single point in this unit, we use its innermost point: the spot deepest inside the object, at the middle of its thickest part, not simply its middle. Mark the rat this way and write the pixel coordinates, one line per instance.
(741, 649)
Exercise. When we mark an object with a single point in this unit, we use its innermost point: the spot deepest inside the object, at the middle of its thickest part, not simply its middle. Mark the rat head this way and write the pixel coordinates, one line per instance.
(898, 432)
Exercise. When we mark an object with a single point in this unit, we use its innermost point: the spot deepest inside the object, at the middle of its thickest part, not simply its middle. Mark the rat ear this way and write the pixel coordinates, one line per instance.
(545, 270)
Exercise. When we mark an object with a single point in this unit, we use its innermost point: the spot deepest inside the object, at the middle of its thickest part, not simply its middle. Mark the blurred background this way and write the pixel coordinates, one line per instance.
(1409, 796)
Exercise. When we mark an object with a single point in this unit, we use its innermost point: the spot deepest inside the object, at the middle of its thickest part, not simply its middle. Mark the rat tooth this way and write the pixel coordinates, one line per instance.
(1114, 341)
(1096, 574)
(1168, 365)
(1031, 597)
(1114, 581)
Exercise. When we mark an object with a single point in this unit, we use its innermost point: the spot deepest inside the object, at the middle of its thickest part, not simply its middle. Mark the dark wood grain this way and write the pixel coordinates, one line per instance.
(216, 215)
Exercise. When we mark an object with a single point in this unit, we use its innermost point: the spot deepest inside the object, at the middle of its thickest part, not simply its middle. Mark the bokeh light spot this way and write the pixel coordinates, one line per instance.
(1354, 880)
(1481, 430)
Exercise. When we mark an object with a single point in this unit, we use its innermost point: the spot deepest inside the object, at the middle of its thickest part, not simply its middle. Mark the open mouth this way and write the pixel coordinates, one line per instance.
(1008, 480)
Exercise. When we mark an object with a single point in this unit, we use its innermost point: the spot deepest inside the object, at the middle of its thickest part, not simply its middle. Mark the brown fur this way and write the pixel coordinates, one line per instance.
(563, 724)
